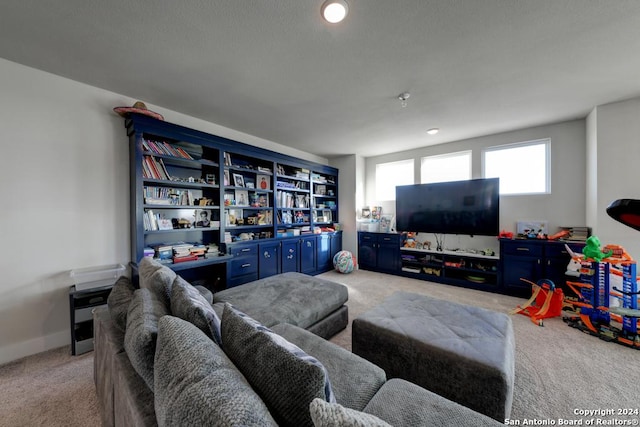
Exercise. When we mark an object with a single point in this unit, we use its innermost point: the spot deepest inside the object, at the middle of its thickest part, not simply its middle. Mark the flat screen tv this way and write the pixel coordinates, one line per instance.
(469, 207)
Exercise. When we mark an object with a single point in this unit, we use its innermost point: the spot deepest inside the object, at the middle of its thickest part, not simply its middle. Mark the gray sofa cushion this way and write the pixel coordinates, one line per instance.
(188, 304)
(118, 301)
(142, 331)
(401, 403)
(325, 414)
(156, 277)
(286, 378)
(295, 298)
(354, 380)
(197, 385)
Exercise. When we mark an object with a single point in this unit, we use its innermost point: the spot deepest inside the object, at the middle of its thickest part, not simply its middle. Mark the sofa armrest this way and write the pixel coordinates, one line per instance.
(354, 380)
(401, 403)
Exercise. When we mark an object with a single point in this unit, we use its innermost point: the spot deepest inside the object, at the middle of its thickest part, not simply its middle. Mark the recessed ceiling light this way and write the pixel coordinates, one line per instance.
(334, 11)
(433, 131)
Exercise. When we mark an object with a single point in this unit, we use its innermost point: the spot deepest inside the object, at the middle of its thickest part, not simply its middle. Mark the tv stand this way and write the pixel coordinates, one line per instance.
(531, 259)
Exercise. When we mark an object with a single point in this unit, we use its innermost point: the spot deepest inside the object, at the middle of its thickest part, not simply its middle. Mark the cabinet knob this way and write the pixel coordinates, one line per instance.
(246, 265)
(291, 251)
(267, 254)
(308, 244)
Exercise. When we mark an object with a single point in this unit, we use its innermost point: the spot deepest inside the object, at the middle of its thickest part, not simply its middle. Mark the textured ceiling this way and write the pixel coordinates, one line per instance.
(274, 69)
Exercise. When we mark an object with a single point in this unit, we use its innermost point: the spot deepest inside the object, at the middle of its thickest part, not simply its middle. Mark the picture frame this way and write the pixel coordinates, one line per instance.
(234, 216)
(238, 180)
(202, 218)
(227, 159)
(262, 182)
(366, 213)
(227, 180)
(386, 223)
(242, 197)
(328, 216)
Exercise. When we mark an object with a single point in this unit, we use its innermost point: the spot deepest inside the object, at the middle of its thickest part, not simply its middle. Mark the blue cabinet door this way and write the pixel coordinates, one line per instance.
(289, 256)
(268, 259)
(308, 255)
(388, 253)
(323, 253)
(367, 251)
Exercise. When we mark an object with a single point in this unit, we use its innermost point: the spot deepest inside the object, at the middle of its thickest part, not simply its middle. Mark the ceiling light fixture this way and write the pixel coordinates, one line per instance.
(403, 98)
(433, 131)
(334, 11)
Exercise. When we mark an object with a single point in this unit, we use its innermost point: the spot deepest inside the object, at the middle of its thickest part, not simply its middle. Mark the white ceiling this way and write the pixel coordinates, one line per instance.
(274, 69)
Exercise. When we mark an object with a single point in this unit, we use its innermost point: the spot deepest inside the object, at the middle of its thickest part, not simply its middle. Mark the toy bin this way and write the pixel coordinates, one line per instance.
(96, 277)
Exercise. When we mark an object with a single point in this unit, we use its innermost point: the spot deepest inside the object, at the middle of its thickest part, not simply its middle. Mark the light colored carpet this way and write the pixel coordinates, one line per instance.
(558, 369)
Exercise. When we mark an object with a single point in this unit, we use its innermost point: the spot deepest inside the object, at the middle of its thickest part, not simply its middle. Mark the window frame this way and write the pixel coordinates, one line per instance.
(467, 153)
(410, 161)
(546, 142)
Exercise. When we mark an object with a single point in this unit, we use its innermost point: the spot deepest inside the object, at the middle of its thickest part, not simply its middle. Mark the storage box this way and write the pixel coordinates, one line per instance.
(96, 277)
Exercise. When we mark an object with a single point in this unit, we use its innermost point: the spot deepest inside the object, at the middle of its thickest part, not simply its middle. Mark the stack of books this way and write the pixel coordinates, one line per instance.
(182, 253)
(578, 234)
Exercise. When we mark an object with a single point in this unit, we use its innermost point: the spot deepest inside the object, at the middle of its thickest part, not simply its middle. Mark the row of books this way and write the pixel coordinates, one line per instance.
(165, 149)
(154, 222)
(167, 196)
(291, 200)
(182, 252)
(154, 168)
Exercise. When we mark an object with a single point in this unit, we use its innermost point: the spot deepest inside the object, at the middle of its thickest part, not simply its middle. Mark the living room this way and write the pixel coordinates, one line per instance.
(65, 167)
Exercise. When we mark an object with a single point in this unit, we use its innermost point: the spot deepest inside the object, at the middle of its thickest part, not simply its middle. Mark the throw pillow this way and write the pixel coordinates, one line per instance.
(142, 331)
(118, 301)
(188, 304)
(286, 377)
(197, 385)
(326, 414)
(156, 277)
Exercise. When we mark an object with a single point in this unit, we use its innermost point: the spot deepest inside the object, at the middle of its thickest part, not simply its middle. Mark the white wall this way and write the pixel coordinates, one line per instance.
(616, 150)
(565, 205)
(65, 186)
(347, 198)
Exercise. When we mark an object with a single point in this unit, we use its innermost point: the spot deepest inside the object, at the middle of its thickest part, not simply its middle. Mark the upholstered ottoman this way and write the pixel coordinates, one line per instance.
(460, 352)
(308, 302)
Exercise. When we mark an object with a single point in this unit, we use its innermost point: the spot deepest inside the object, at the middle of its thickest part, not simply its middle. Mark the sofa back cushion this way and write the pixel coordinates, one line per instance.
(156, 277)
(142, 331)
(196, 384)
(118, 301)
(189, 304)
(284, 376)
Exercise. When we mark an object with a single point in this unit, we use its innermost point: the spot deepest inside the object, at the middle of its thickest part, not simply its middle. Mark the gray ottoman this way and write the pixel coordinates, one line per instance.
(460, 352)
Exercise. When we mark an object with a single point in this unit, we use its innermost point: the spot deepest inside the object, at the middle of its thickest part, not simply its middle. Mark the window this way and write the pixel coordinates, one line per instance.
(522, 168)
(446, 167)
(388, 175)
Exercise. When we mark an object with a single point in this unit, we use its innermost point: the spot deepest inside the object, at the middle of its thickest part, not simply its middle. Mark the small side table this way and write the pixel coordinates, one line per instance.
(81, 305)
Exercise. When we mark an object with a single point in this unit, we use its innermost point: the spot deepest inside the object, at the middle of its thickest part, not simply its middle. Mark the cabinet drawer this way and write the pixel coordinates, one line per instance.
(244, 250)
(558, 249)
(243, 265)
(516, 248)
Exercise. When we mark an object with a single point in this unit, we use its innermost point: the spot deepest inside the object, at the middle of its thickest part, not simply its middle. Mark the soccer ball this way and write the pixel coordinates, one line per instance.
(344, 262)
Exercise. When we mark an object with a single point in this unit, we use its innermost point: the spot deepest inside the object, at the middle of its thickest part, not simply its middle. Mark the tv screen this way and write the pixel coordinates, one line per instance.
(469, 207)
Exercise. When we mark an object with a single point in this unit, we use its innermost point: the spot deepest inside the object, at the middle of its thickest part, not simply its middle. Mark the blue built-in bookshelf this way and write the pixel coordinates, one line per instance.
(205, 196)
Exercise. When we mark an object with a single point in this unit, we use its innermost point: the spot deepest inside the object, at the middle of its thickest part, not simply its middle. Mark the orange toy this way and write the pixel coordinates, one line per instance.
(547, 298)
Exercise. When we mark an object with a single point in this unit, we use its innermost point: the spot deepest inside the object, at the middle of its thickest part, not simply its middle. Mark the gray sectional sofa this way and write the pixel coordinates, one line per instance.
(253, 355)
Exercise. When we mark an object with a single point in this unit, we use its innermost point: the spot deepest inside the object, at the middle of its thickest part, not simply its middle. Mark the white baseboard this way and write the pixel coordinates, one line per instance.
(11, 352)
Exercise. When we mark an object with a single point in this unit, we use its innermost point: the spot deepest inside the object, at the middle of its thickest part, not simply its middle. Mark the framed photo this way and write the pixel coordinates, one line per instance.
(366, 213)
(227, 181)
(210, 179)
(227, 159)
(238, 180)
(326, 213)
(385, 223)
(262, 182)
(235, 217)
(202, 218)
(242, 198)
